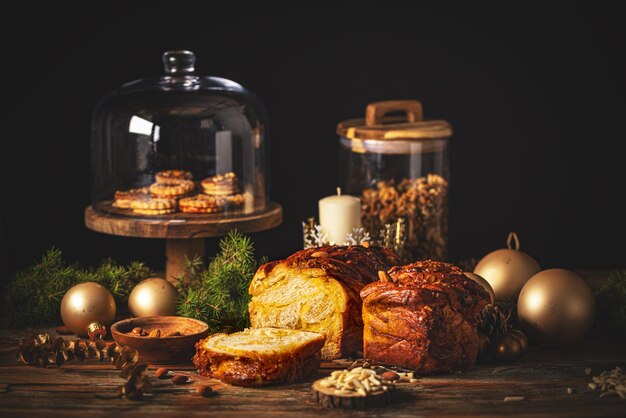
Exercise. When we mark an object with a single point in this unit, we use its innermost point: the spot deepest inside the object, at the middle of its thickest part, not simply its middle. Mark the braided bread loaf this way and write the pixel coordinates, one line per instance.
(317, 289)
(423, 316)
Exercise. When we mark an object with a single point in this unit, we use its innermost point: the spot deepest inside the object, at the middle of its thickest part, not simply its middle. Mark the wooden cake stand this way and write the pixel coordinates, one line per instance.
(184, 233)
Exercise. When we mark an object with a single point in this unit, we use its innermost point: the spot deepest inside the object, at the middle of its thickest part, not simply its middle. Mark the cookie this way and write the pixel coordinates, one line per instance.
(152, 203)
(154, 211)
(172, 176)
(220, 184)
(124, 198)
(201, 204)
(171, 190)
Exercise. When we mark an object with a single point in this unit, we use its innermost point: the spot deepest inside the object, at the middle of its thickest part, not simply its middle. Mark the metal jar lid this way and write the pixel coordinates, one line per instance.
(394, 135)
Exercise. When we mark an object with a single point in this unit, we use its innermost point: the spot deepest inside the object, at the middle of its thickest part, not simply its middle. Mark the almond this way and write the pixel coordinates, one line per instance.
(390, 376)
(161, 373)
(319, 254)
(383, 276)
(180, 379)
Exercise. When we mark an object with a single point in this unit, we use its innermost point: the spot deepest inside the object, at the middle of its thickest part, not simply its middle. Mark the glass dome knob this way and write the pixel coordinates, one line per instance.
(179, 62)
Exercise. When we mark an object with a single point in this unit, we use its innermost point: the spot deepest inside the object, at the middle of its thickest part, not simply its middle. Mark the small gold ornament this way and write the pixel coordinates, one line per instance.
(153, 297)
(87, 308)
(509, 347)
(556, 307)
(507, 269)
(484, 283)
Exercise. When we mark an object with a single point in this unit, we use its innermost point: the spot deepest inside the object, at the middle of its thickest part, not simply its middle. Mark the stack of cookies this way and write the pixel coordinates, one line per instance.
(159, 198)
(224, 189)
(171, 192)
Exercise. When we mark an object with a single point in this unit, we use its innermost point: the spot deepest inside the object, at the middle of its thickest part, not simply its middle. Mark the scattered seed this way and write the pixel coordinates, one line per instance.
(513, 398)
(588, 371)
(319, 254)
(383, 276)
(161, 373)
(180, 379)
(570, 391)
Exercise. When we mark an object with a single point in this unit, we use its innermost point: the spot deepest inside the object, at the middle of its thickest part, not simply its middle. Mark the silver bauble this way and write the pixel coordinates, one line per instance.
(507, 269)
(85, 304)
(153, 297)
(556, 307)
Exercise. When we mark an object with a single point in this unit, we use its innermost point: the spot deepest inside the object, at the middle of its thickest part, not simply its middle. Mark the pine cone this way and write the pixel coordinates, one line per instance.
(493, 322)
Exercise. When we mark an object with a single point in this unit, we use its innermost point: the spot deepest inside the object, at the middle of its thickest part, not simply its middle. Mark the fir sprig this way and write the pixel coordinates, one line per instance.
(34, 294)
(611, 299)
(218, 294)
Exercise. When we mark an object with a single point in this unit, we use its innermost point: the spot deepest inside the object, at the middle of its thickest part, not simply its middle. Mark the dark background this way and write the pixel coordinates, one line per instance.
(535, 94)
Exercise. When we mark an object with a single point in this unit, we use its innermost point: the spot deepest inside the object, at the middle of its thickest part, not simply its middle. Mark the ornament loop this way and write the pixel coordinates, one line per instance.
(512, 238)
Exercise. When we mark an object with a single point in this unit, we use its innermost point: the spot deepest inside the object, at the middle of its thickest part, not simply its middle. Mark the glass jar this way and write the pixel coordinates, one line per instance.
(398, 164)
(180, 136)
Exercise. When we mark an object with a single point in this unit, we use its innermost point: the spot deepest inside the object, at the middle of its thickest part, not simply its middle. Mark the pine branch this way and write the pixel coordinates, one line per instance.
(218, 294)
(611, 298)
(34, 294)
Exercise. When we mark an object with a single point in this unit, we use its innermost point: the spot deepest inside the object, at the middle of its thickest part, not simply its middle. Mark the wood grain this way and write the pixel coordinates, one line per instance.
(542, 378)
(116, 221)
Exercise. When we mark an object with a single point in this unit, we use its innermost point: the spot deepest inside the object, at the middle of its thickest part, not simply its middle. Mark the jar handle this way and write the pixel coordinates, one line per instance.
(375, 112)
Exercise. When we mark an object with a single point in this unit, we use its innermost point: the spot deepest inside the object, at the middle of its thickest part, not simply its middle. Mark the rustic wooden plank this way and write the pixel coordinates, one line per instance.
(542, 378)
(115, 221)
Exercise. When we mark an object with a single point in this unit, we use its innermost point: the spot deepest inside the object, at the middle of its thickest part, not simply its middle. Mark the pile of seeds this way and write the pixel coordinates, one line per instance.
(358, 380)
(610, 383)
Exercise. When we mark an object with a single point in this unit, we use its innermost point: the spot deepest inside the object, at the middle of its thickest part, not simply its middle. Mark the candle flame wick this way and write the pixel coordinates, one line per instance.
(338, 191)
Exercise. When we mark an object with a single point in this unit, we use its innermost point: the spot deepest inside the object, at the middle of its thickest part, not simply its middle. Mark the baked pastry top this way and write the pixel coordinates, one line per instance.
(317, 289)
(423, 316)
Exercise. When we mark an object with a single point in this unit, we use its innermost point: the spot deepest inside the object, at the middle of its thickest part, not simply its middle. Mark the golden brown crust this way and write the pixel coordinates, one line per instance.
(172, 176)
(124, 198)
(153, 203)
(172, 190)
(220, 184)
(249, 367)
(424, 319)
(201, 204)
(341, 271)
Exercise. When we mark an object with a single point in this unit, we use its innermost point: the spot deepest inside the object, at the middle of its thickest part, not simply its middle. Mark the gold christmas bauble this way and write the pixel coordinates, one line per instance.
(556, 307)
(484, 283)
(85, 304)
(508, 347)
(507, 269)
(153, 297)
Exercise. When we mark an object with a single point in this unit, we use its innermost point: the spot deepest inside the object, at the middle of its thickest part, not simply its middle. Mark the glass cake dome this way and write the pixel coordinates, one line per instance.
(180, 144)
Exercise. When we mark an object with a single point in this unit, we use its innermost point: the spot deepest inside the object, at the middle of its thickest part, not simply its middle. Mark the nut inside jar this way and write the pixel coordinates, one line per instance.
(421, 202)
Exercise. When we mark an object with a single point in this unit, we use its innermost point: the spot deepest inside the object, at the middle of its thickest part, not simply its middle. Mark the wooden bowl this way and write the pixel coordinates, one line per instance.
(162, 350)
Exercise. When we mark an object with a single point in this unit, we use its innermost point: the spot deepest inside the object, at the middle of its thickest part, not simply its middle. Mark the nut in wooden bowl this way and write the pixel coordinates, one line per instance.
(176, 344)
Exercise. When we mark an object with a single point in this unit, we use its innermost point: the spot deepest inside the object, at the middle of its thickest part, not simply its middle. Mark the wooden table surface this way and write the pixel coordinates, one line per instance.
(541, 377)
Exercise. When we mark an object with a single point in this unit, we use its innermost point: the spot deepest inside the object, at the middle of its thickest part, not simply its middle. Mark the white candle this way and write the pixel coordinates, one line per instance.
(339, 215)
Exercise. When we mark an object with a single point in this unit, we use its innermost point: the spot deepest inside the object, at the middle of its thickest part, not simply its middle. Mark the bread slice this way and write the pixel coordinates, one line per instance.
(259, 356)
